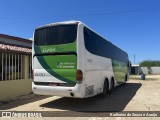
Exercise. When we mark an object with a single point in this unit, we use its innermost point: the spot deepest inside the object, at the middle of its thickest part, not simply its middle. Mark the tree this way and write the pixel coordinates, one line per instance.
(150, 63)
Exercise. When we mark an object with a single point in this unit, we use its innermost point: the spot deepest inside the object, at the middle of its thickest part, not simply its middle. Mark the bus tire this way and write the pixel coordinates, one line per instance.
(126, 78)
(105, 88)
(112, 85)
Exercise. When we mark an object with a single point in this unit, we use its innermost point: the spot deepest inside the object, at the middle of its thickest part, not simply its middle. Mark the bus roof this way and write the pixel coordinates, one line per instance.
(59, 23)
(76, 22)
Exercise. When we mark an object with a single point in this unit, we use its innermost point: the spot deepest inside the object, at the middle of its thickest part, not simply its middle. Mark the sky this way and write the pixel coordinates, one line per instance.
(132, 25)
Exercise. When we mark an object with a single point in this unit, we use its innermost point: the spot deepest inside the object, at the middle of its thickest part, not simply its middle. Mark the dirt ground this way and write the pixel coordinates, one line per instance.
(135, 95)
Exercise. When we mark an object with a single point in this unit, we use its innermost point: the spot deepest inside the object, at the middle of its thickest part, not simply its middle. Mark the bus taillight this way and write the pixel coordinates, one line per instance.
(79, 76)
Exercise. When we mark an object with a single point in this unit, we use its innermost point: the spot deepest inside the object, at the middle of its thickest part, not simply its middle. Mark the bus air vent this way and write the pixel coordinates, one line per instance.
(89, 90)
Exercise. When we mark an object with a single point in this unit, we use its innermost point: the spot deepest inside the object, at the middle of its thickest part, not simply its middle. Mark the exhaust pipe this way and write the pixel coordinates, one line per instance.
(72, 94)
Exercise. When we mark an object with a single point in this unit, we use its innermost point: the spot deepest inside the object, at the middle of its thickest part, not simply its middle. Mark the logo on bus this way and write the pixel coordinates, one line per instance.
(57, 49)
(40, 74)
(49, 50)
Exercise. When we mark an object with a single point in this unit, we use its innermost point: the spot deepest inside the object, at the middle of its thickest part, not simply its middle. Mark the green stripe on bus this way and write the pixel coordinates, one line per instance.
(58, 73)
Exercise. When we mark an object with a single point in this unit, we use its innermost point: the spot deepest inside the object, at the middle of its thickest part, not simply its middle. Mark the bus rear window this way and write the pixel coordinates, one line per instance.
(55, 35)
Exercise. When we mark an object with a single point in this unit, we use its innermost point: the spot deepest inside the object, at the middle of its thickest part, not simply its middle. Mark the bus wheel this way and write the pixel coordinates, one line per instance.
(126, 78)
(105, 89)
(112, 85)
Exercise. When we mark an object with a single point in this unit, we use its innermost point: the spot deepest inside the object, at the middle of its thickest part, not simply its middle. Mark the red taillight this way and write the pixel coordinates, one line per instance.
(79, 76)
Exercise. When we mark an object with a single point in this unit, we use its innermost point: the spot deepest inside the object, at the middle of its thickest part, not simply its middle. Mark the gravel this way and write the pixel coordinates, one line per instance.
(135, 95)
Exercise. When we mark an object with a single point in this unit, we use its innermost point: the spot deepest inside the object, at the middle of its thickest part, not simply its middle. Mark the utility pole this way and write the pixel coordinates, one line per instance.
(134, 58)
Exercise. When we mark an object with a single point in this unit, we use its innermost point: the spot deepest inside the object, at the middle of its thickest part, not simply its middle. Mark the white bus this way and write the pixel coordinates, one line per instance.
(72, 60)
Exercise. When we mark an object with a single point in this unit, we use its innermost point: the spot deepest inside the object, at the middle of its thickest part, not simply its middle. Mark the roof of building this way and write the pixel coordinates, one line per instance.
(15, 38)
(135, 65)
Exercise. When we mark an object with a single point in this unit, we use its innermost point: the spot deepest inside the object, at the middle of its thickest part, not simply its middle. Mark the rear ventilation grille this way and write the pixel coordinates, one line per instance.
(89, 90)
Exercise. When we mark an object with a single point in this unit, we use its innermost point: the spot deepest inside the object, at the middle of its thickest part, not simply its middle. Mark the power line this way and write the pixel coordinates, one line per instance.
(78, 15)
(90, 14)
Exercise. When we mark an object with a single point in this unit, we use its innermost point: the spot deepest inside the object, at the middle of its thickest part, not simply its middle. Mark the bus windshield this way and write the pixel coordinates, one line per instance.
(55, 35)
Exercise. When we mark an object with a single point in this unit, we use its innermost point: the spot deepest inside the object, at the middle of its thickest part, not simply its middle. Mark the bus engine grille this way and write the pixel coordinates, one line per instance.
(89, 90)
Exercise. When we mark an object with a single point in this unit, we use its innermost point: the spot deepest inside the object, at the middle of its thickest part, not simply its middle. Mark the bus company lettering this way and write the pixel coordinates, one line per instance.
(66, 65)
(40, 74)
(57, 49)
(49, 50)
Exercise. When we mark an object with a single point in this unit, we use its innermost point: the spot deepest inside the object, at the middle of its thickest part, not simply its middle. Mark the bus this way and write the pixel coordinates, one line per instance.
(72, 60)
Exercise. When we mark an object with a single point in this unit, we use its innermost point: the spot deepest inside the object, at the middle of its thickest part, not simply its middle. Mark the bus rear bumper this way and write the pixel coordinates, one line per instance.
(76, 91)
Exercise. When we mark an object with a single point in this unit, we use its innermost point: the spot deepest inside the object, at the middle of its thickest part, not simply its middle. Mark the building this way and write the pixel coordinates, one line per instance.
(134, 69)
(15, 66)
(137, 70)
(155, 70)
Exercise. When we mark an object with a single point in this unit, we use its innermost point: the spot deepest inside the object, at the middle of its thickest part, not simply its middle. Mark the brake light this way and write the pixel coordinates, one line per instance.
(79, 76)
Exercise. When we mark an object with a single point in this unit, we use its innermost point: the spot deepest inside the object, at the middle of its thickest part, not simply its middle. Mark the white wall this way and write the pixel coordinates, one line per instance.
(155, 70)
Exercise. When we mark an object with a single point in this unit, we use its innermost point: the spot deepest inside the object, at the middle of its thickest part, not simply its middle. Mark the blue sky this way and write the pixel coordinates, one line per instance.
(132, 25)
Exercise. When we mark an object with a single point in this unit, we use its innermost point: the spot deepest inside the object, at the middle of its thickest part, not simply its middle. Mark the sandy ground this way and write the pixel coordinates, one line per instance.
(136, 95)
